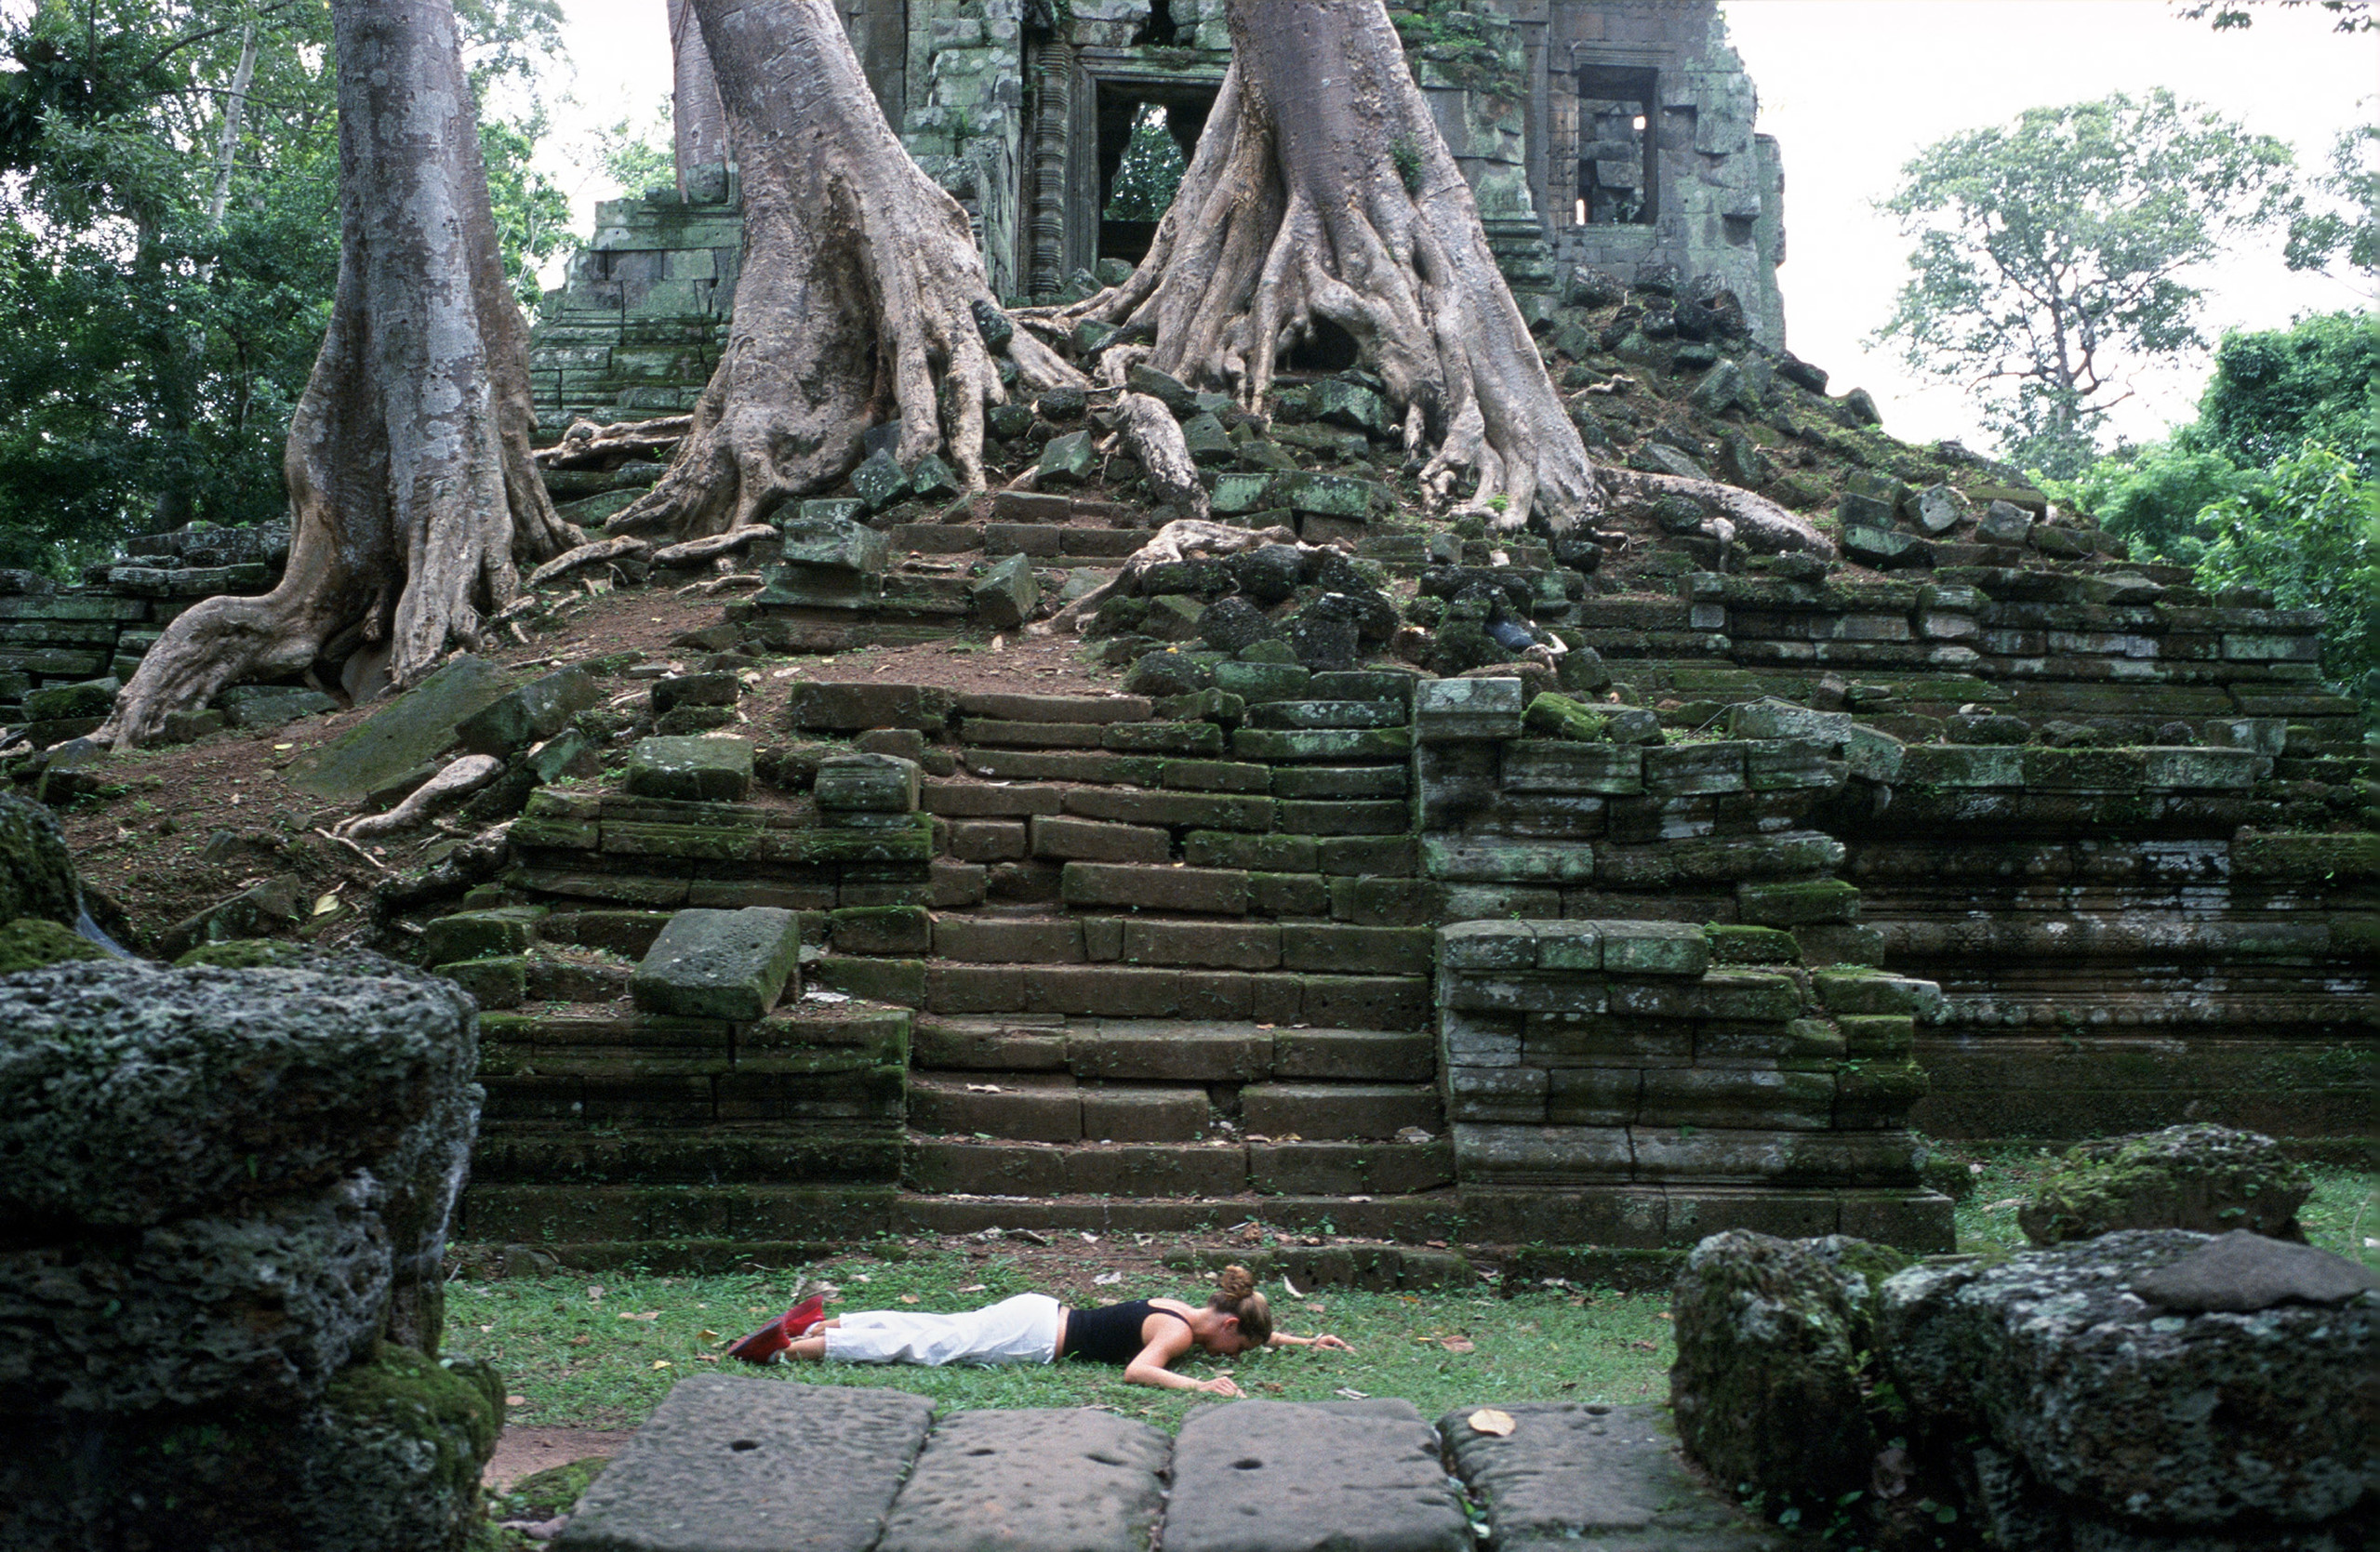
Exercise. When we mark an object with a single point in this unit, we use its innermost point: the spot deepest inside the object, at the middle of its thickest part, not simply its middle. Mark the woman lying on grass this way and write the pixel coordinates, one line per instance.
(1145, 1335)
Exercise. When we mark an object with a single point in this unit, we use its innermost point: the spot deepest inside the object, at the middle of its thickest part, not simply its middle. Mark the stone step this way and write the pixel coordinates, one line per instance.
(1219, 1167)
(547, 1153)
(1171, 1049)
(1135, 991)
(1053, 1107)
(1411, 1218)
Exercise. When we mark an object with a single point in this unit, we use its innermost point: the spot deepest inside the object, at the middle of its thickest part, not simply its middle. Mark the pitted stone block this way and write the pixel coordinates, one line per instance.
(727, 1464)
(719, 964)
(1285, 1477)
(1592, 1476)
(1058, 1481)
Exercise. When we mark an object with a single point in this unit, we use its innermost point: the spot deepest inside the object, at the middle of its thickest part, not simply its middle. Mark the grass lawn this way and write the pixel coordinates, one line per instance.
(601, 1351)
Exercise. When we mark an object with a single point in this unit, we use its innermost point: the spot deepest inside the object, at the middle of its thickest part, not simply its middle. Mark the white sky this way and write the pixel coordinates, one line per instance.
(1854, 88)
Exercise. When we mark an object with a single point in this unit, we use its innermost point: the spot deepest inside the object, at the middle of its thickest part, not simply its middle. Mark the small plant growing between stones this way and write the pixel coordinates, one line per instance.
(1404, 155)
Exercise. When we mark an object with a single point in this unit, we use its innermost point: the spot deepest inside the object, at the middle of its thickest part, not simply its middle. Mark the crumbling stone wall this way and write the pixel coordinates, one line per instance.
(223, 1218)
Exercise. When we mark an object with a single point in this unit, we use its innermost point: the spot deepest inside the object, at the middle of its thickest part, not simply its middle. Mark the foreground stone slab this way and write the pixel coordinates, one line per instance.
(719, 964)
(1287, 1476)
(1056, 1480)
(727, 1464)
(1595, 1476)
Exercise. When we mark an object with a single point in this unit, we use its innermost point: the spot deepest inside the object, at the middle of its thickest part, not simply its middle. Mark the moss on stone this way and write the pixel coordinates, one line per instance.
(1732, 945)
(2208, 1178)
(1556, 716)
(258, 953)
(29, 942)
(554, 1491)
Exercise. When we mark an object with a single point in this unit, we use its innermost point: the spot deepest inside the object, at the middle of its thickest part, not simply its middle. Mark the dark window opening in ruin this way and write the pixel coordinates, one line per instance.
(1146, 143)
(1329, 348)
(1158, 31)
(1619, 156)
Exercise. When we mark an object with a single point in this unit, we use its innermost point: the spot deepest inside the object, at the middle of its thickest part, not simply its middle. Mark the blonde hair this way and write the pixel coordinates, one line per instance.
(1235, 1295)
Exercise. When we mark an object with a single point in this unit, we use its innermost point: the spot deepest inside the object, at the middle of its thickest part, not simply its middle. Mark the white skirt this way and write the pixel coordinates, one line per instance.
(1022, 1330)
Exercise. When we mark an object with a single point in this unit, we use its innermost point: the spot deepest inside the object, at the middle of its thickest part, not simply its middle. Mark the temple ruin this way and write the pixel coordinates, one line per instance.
(1609, 136)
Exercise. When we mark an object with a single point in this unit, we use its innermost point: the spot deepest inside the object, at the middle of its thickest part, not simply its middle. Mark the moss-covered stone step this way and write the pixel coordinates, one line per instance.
(1188, 1051)
(691, 1090)
(1376, 1268)
(1412, 1219)
(555, 1214)
(1221, 1166)
(1133, 992)
(549, 1154)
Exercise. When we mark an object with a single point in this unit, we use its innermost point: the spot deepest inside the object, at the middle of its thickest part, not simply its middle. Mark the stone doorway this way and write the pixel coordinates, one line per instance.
(1088, 104)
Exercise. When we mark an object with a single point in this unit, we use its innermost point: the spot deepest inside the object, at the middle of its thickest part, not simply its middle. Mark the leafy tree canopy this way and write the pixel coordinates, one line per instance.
(168, 248)
(2348, 233)
(2347, 15)
(2311, 534)
(2053, 256)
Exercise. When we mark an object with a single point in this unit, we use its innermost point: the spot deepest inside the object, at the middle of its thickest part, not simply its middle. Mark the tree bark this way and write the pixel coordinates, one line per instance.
(699, 123)
(858, 294)
(1321, 190)
(413, 499)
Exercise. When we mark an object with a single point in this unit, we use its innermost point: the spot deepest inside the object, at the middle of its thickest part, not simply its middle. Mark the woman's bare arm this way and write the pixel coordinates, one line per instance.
(1154, 1365)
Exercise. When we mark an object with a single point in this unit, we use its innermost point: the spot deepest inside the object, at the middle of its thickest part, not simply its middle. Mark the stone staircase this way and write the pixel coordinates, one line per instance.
(1165, 960)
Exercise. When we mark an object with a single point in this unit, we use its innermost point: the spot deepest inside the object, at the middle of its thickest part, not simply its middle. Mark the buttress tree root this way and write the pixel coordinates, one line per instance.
(1321, 191)
(413, 499)
(859, 292)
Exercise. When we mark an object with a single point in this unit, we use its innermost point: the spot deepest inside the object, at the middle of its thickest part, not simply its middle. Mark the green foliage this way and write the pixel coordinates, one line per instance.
(2151, 495)
(2272, 389)
(2350, 231)
(2271, 392)
(1405, 157)
(160, 348)
(2311, 534)
(1151, 172)
(2051, 254)
(635, 158)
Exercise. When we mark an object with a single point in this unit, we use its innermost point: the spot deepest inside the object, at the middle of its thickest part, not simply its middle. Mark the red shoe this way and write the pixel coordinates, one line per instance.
(762, 1346)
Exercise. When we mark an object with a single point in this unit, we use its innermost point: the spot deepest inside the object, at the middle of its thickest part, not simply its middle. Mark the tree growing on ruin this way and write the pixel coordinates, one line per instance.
(2054, 256)
(861, 296)
(1321, 191)
(412, 501)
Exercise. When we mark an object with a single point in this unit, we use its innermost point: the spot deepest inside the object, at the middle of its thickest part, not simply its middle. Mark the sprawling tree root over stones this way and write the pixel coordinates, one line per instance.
(413, 498)
(858, 293)
(1752, 520)
(1182, 539)
(1321, 190)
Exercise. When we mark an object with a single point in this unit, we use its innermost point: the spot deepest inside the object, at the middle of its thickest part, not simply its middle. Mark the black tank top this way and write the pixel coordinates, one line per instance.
(1111, 1332)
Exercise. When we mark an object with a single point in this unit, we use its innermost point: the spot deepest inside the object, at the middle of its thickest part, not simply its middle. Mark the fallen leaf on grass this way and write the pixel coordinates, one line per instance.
(706, 1357)
(1290, 1288)
(975, 1288)
(1646, 1347)
(1107, 1280)
(1352, 1394)
(707, 1336)
(1487, 1420)
(645, 1315)
(516, 1401)
(660, 1363)
(1457, 1344)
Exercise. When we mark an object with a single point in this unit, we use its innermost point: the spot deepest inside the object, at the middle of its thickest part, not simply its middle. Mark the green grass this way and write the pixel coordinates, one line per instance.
(579, 1360)
(575, 1351)
(2343, 1216)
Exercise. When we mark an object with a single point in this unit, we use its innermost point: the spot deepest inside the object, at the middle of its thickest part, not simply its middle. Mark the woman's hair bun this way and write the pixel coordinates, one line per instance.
(1236, 1283)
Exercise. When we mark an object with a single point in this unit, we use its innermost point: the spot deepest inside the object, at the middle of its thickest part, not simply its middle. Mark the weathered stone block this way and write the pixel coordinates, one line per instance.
(868, 783)
(730, 964)
(1445, 710)
(707, 770)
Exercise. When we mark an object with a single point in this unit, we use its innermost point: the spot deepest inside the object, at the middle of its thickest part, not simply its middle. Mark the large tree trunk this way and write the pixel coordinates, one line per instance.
(858, 289)
(1321, 189)
(699, 123)
(412, 496)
